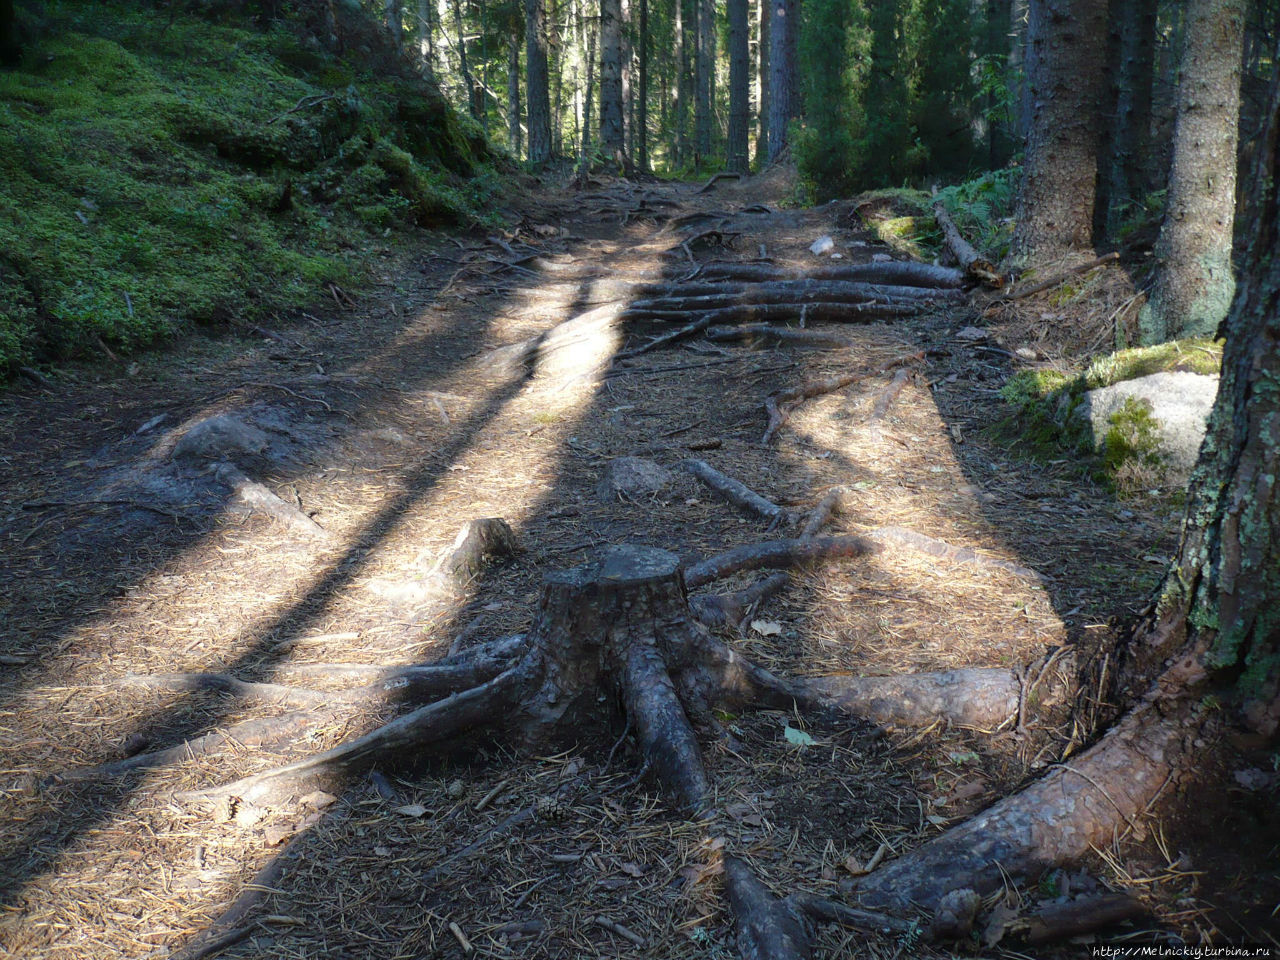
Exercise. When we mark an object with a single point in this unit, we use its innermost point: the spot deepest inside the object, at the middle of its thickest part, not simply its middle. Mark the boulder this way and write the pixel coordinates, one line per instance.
(632, 478)
(1179, 404)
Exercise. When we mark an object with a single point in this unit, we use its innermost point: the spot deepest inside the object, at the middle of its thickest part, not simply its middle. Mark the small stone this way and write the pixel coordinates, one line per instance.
(881, 258)
(1026, 353)
(456, 789)
(822, 245)
(955, 915)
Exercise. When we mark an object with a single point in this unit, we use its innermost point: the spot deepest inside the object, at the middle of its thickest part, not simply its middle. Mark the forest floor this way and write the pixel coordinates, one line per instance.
(389, 430)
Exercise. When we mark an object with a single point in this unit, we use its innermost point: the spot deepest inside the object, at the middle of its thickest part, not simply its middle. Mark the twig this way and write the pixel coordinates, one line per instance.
(306, 103)
(1057, 278)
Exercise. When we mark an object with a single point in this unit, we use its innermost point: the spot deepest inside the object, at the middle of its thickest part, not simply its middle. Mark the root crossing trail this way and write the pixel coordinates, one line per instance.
(602, 587)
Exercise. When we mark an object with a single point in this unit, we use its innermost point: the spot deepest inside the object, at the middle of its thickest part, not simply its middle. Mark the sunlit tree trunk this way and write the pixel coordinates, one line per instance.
(463, 66)
(538, 105)
(514, 137)
(1194, 280)
(611, 132)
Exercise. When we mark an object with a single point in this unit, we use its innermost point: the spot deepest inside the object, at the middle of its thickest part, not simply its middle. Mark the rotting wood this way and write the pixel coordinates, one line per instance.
(973, 263)
(734, 491)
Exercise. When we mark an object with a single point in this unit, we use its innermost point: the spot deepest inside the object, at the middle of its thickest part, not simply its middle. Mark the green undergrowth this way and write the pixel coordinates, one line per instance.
(982, 209)
(158, 172)
(1044, 421)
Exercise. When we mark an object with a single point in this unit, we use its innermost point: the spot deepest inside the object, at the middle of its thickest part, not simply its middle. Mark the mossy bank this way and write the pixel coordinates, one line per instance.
(160, 169)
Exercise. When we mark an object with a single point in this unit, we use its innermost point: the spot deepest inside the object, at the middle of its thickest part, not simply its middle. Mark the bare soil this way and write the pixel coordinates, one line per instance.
(390, 432)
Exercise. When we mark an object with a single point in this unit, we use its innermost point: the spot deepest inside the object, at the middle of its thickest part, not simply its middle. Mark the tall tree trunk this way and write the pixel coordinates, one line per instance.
(764, 15)
(427, 37)
(463, 66)
(640, 138)
(514, 138)
(611, 132)
(1194, 281)
(588, 95)
(704, 65)
(536, 97)
(680, 144)
(1068, 59)
(739, 86)
(1125, 175)
(395, 23)
(554, 41)
(628, 102)
(783, 28)
(1019, 61)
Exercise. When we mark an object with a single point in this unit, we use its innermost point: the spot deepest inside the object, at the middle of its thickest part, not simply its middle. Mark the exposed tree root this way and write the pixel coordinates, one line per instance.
(778, 554)
(734, 491)
(947, 551)
(1084, 803)
(779, 405)
(716, 178)
(974, 697)
(754, 334)
(254, 496)
(795, 291)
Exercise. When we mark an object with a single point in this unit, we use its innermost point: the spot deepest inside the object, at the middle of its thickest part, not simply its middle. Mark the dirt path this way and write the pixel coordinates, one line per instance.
(382, 428)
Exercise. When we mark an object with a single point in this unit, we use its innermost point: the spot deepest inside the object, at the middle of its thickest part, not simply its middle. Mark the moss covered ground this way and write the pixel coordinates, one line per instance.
(159, 171)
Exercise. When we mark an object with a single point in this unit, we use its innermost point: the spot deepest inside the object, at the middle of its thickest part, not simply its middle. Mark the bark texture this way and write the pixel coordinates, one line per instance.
(782, 73)
(739, 68)
(1194, 280)
(537, 98)
(612, 139)
(1066, 61)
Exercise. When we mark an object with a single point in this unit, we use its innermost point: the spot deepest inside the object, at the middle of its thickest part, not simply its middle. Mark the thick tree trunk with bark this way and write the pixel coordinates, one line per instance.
(704, 74)
(640, 138)
(783, 30)
(1194, 279)
(536, 94)
(611, 130)
(514, 131)
(764, 15)
(739, 101)
(1067, 63)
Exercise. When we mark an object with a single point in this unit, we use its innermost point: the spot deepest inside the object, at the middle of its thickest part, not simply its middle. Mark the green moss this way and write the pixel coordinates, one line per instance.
(157, 172)
(1201, 355)
(1132, 437)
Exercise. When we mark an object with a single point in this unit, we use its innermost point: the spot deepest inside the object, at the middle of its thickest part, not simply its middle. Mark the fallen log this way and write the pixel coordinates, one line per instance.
(972, 262)
(795, 291)
(893, 272)
(777, 312)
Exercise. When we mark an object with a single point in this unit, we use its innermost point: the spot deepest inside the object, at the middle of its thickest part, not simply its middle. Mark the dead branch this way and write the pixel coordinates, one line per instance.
(886, 397)
(754, 334)
(682, 298)
(778, 554)
(1056, 279)
(734, 491)
(716, 178)
(972, 262)
(681, 333)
